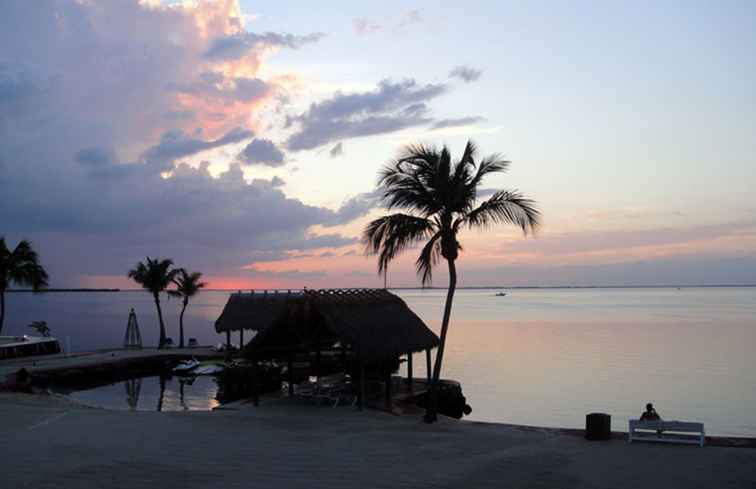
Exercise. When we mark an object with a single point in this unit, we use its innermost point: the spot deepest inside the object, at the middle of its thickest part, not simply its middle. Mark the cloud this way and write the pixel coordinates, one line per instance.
(285, 274)
(241, 44)
(357, 206)
(90, 115)
(465, 73)
(392, 106)
(363, 26)
(410, 17)
(262, 152)
(176, 144)
(337, 150)
(459, 122)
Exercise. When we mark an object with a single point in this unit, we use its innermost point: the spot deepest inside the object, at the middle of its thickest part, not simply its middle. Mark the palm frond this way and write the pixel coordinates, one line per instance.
(428, 258)
(389, 235)
(491, 164)
(503, 207)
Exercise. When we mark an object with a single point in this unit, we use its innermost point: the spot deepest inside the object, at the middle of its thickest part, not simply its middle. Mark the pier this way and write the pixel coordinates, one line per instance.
(64, 367)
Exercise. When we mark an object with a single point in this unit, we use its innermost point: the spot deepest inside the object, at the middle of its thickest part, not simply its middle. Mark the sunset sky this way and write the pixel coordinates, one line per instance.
(243, 138)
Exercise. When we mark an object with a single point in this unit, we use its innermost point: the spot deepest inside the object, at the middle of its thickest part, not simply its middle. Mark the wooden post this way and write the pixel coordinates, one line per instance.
(241, 339)
(255, 398)
(291, 374)
(409, 371)
(428, 365)
(362, 385)
(388, 391)
(317, 363)
(228, 338)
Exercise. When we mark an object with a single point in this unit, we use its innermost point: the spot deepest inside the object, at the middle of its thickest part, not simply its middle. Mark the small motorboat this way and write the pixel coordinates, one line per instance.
(186, 367)
(209, 369)
(501, 294)
(27, 346)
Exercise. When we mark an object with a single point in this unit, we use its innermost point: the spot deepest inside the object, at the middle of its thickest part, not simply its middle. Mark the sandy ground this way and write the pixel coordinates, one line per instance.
(52, 443)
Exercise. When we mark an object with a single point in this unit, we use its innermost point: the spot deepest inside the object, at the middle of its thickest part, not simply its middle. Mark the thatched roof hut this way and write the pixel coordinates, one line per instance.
(376, 324)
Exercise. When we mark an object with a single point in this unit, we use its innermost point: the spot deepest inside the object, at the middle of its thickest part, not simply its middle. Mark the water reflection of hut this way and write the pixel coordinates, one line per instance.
(362, 332)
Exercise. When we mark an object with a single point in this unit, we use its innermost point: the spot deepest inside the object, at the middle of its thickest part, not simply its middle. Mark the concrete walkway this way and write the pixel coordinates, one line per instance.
(50, 443)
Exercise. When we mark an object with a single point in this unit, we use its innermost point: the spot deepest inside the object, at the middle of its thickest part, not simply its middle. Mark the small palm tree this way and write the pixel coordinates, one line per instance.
(21, 267)
(187, 285)
(155, 275)
(41, 327)
(440, 199)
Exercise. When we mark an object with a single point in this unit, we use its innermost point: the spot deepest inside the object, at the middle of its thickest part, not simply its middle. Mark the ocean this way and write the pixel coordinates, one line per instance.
(543, 357)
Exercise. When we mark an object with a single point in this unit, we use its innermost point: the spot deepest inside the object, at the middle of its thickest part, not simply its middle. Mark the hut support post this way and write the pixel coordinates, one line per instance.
(255, 397)
(291, 374)
(362, 385)
(428, 365)
(228, 338)
(317, 364)
(241, 338)
(388, 391)
(409, 371)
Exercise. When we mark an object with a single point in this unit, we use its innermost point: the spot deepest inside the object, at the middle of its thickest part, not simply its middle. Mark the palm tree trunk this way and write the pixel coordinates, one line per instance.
(431, 413)
(181, 323)
(161, 342)
(2, 309)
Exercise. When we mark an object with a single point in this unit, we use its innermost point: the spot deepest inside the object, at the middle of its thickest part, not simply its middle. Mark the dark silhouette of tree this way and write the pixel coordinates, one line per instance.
(440, 198)
(21, 267)
(155, 275)
(187, 286)
(41, 327)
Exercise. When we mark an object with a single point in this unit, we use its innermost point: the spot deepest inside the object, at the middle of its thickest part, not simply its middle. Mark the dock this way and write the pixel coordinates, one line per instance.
(63, 366)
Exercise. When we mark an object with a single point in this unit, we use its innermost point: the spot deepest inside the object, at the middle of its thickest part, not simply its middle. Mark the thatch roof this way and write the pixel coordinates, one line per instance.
(375, 323)
(254, 310)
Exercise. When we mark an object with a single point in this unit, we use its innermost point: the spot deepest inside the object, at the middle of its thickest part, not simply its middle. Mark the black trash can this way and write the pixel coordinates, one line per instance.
(598, 426)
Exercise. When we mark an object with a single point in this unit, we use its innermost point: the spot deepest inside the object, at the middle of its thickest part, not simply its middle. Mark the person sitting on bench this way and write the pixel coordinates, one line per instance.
(650, 414)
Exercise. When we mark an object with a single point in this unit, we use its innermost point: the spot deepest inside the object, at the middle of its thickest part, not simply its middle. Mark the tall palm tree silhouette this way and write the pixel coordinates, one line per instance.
(21, 267)
(187, 286)
(155, 275)
(439, 198)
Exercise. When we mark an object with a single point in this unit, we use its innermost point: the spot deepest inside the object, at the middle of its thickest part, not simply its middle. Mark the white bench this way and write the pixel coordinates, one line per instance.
(666, 431)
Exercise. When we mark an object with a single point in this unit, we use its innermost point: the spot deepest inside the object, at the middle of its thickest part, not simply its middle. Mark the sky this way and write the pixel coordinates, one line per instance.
(243, 138)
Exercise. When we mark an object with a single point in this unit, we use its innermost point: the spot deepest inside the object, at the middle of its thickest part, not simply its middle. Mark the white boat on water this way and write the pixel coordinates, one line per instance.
(27, 346)
(186, 367)
(209, 369)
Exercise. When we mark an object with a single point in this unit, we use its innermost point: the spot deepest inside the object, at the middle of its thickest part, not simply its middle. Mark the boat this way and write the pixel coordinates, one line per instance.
(27, 346)
(186, 367)
(208, 369)
(501, 294)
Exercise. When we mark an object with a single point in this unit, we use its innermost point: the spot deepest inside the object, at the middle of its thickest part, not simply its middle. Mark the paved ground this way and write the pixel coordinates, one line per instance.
(50, 443)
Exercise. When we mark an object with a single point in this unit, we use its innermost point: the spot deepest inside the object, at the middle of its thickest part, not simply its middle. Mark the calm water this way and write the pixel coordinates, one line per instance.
(542, 357)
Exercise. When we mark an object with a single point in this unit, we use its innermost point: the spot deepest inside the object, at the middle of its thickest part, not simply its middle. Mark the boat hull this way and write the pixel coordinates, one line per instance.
(27, 346)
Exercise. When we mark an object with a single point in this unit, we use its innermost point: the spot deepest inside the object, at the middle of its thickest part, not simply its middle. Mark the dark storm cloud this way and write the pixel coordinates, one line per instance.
(390, 107)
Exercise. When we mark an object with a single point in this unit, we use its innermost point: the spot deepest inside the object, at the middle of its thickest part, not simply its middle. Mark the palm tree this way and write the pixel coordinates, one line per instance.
(439, 199)
(187, 285)
(21, 267)
(155, 275)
